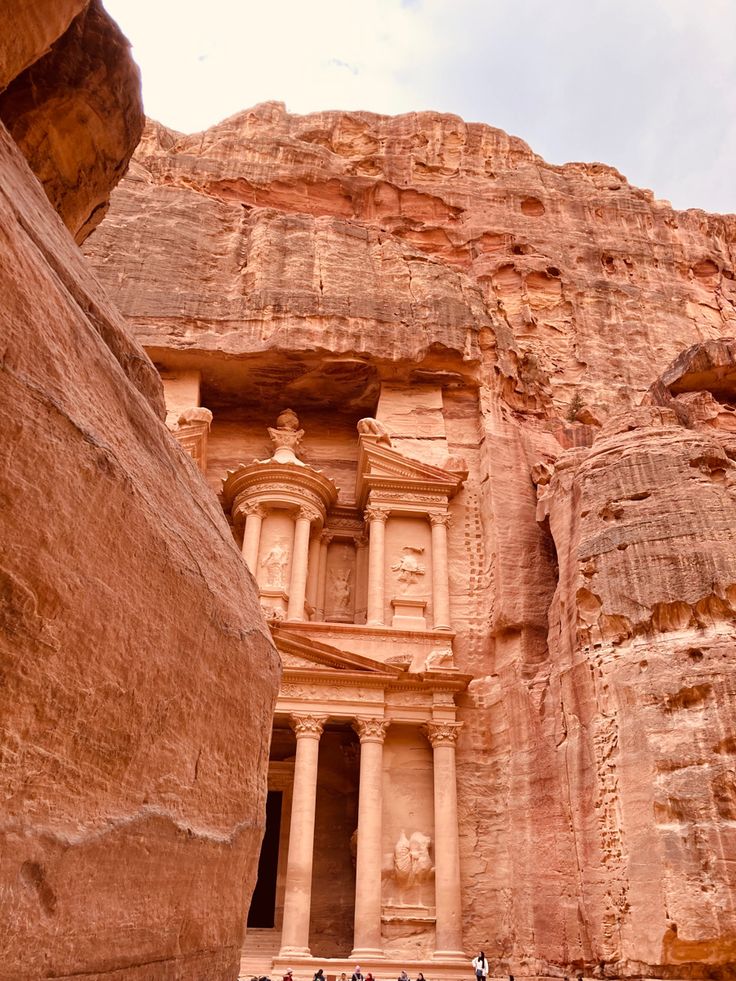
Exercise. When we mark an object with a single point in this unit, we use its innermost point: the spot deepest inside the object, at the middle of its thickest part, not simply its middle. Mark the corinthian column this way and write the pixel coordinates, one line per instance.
(254, 515)
(324, 543)
(440, 571)
(449, 927)
(298, 891)
(299, 563)
(367, 932)
(377, 519)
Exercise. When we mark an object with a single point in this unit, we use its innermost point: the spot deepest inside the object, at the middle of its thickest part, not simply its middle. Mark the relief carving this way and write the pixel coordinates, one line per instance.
(372, 427)
(274, 562)
(408, 567)
(440, 657)
(342, 591)
(412, 864)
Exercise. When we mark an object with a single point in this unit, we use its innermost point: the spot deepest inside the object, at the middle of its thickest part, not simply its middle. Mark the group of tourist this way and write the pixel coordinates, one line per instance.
(357, 975)
(481, 969)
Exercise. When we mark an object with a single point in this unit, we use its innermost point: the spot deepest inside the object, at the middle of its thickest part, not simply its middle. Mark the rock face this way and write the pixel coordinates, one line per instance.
(320, 259)
(138, 676)
(76, 111)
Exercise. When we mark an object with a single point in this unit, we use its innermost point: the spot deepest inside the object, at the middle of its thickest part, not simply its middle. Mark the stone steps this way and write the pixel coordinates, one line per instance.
(259, 950)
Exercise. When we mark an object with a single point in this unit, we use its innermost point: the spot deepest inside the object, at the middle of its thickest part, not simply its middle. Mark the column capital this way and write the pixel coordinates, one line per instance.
(442, 733)
(309, 726)
(440, 518)
(371, 730)
(326, 537)
(361, 541)
(311, 514)
(374, 513)
(253, 507)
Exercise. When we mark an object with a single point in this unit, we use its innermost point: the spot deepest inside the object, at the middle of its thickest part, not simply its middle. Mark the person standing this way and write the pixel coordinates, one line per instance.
(480, 966)
(357, 976)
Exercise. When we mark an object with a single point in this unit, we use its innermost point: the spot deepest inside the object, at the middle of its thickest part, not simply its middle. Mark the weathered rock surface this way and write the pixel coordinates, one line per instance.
(596, 764)
(76, 111)
(137, 675)
(28, 31)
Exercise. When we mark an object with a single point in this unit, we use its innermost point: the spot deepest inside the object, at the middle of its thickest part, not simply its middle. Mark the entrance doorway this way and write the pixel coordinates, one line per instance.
(261, 914)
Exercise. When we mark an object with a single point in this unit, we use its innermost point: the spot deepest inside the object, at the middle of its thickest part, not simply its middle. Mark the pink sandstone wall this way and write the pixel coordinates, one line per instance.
(138, 677)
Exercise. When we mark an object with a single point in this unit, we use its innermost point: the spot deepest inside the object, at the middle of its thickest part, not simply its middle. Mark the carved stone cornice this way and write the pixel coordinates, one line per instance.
(371, 730)
(442, 733)
(308, 726)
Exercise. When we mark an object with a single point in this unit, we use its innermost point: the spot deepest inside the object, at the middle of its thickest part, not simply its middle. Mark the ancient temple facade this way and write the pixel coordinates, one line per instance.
(347, 535)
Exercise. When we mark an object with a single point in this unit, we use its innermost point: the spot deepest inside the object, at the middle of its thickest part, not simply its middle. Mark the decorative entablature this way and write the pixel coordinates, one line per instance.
(400, 484)
(343, 685)
(270, 484)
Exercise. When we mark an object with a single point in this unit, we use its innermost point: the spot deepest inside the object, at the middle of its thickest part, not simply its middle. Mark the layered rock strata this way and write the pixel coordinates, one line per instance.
(323, 259)
(138, 675)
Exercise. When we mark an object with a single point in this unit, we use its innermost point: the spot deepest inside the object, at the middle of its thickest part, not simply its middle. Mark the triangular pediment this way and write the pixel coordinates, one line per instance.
(382, 466)
(297, 661)
(301, 653)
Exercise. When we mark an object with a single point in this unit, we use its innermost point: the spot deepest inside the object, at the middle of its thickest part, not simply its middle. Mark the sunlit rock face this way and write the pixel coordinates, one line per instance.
(332, 261)
(76, 110)
(138, 676)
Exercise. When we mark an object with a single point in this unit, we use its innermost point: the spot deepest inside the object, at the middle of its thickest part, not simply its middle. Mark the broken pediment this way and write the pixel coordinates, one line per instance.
(382, 468)
(300, 653)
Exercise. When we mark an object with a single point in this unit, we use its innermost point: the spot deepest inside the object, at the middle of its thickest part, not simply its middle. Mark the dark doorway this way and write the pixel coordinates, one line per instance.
(263, 905)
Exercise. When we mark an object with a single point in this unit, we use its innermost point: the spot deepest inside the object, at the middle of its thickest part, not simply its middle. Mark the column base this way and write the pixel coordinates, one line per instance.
(441, 626)
(450, 955)
(294, 952)
(375, 623)
(366, 954)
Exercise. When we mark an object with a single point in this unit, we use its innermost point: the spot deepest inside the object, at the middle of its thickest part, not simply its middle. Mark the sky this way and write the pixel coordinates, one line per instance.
(647, 86)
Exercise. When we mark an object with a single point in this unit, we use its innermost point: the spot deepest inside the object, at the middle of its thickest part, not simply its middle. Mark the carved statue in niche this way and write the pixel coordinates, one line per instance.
(274, 562)
(342, 591)
(372, 427)
(408, 567)
(411, 870)
(286, 435)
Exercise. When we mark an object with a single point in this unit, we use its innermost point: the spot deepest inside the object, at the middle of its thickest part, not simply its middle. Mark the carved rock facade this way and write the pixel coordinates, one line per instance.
(516, 331)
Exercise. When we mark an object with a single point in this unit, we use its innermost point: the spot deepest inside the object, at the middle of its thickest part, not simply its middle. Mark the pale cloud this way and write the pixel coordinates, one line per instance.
(648, 86)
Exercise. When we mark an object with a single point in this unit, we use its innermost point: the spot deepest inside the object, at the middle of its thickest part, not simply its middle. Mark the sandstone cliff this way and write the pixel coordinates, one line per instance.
(344, 249)
(138, 677)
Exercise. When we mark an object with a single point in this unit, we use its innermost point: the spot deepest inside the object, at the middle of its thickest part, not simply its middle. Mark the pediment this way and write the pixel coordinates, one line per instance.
(301, 653)
(297, 661)
(382, 466)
